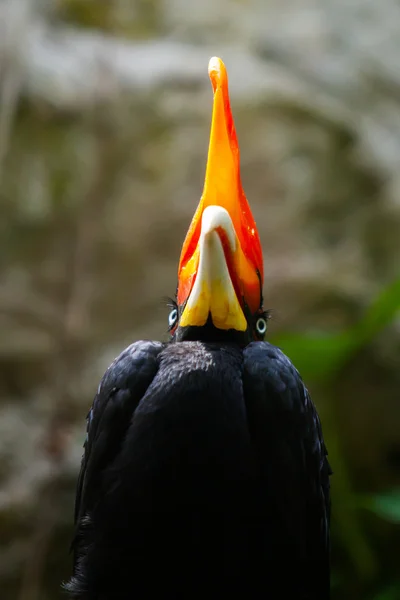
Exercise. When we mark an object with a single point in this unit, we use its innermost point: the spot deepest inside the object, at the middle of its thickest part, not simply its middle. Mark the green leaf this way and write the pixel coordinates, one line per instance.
(386, 505)
(320, 356)
(317, 356)
(380, 314)
(391, 592)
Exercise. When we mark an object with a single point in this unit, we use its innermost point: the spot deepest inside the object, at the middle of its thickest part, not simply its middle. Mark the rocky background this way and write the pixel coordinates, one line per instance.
(104, 120)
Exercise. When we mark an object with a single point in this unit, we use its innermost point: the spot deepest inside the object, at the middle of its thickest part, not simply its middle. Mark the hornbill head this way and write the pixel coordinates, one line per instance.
(220, 274)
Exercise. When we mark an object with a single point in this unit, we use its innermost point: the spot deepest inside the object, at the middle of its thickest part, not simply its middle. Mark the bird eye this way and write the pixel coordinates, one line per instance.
(172, 318)
(261, 326)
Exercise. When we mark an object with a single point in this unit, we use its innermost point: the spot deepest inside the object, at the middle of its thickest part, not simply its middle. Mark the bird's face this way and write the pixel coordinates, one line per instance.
(220, 274)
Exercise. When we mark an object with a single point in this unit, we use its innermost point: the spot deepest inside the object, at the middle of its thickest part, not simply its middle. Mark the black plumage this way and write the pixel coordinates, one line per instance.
(204, 474)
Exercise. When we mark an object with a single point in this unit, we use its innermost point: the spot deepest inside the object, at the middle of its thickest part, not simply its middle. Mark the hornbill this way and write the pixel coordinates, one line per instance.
(204, 471)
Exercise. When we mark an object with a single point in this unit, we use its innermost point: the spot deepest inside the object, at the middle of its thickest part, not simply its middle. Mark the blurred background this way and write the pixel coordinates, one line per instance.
(105, 111)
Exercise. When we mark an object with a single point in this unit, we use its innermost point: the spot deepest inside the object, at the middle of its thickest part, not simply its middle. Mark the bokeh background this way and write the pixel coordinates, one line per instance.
(104, 120)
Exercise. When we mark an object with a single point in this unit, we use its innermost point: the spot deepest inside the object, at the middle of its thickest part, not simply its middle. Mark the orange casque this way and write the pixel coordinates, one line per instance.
(223, 188)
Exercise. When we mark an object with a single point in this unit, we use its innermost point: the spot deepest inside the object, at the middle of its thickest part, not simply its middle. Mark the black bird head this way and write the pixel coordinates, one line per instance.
(220, 274)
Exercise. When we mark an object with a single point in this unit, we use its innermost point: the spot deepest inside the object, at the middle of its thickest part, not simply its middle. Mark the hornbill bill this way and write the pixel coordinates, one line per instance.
(205, 472)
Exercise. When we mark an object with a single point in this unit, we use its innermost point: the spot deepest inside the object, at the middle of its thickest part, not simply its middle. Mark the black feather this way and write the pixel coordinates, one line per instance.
(204, 474)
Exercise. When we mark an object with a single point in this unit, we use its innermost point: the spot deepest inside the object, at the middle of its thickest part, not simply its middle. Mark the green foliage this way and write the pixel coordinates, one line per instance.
(391, 592)
(380, 314)
(320, 358)
(385, 505)
(317, 356)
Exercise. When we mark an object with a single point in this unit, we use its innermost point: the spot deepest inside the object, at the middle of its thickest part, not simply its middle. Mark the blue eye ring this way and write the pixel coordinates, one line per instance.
(172, 317)
(261, 326)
